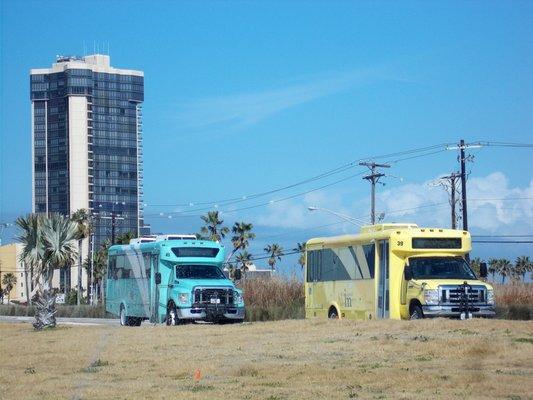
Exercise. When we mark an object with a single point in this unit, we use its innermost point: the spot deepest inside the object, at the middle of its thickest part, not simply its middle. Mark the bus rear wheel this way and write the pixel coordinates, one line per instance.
(124, 319)
(332, 313)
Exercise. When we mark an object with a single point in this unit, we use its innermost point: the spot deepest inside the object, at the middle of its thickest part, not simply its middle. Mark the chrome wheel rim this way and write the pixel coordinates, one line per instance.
(122, 317)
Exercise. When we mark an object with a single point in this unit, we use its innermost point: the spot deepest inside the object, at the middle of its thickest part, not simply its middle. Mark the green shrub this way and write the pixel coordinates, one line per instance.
(516, 311)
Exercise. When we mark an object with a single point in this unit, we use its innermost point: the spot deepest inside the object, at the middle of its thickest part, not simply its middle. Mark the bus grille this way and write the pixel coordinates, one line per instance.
(455, 295)
(213, 296)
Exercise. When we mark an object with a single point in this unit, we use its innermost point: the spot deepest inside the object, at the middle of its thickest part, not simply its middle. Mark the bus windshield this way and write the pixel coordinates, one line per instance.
(440, 268)
(199, 272)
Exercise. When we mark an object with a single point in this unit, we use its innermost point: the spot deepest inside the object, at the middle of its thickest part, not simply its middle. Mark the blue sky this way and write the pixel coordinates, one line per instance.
(242, 97)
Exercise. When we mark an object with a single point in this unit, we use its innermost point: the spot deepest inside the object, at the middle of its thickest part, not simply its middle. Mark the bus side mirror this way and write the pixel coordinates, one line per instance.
(483, 272)
(158, 278)
(407, 274)
(237, 274)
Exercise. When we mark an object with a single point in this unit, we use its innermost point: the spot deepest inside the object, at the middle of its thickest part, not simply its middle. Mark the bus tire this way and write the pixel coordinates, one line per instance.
(333, 313)
(172, 315)
(124, 319)
(416, 312)
(136, 321)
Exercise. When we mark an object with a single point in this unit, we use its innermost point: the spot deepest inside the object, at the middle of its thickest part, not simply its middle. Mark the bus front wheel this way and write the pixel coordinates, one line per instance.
(416, 312)
(172, 315)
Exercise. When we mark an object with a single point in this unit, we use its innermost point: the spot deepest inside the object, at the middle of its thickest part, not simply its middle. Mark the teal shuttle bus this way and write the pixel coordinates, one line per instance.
(172, 281)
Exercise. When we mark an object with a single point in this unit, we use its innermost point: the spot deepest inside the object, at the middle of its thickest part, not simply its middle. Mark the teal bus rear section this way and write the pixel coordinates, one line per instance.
(172, 281)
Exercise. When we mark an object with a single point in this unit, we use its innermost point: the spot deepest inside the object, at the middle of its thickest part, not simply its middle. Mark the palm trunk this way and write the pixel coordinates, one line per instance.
(45, 306)
(79, 271)
(102, 291)
(28, 294)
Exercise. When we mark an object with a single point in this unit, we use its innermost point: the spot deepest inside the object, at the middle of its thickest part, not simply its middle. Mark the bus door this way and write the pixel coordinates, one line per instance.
(155, 292)
(314, 260)
(383, 279)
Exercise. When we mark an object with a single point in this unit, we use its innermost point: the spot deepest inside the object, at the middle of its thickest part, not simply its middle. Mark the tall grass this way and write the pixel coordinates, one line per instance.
(514, 301)
(273, 299)
(514, 294)
(277, 298)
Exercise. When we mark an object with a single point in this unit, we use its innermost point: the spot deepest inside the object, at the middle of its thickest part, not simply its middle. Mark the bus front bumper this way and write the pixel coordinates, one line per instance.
(454, 311)
(211, 313)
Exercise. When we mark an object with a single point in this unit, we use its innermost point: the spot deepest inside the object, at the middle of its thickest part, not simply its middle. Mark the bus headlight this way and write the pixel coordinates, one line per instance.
(431, 296)
(490, 297)
(238, 297)
(183, 298)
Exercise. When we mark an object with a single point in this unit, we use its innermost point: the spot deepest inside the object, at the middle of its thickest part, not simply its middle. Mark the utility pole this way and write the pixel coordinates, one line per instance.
(463, 184)
(114, 217)
(463, 158)
(450, 182)
(373, 178)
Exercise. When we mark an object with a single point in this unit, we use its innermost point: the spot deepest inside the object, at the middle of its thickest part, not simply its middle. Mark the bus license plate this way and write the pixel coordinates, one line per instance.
(215, 301)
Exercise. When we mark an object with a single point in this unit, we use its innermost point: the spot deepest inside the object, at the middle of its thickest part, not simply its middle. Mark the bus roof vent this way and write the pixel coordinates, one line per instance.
(387, 227)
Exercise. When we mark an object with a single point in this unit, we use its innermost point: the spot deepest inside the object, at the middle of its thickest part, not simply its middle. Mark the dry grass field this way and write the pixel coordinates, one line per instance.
(293, 359)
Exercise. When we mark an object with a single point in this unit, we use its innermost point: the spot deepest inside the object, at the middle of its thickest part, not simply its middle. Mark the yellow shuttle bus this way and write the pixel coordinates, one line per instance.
(397, 271)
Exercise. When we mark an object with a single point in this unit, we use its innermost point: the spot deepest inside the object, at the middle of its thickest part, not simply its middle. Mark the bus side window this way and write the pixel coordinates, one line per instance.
(146, 262)
(311, 265)
(370, 255)
(119, 268)
(111, 267)
(127, 271)
(319, 276)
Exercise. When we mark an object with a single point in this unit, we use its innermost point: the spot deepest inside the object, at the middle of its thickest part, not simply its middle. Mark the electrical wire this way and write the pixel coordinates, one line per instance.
(342, 168)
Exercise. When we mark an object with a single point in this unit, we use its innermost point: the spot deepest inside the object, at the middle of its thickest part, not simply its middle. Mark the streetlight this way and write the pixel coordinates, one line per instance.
(355, 221)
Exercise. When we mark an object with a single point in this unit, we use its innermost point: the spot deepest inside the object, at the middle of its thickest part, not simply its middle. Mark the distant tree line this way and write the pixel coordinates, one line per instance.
(505, 268)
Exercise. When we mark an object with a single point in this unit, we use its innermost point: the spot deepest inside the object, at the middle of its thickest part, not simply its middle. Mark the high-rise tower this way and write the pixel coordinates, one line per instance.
(86, 135)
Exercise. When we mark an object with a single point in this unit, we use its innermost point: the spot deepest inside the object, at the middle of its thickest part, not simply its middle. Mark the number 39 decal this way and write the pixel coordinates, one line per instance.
(399, 243)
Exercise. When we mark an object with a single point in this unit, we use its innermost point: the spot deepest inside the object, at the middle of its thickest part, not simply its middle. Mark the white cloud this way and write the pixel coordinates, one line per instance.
(494, 207)
(493, 204)
(242, 110)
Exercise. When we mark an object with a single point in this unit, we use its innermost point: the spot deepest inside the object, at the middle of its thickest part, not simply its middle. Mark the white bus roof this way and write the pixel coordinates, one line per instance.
(157, 238)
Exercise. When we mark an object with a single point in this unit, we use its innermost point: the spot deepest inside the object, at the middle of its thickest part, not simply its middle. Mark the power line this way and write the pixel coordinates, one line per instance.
(182, 213)
(506, 144)
(342, 168)
(502, 236)
(503, 241)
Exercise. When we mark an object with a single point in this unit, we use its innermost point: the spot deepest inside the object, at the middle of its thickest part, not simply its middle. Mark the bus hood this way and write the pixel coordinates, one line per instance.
(190, 284)
(435, 283)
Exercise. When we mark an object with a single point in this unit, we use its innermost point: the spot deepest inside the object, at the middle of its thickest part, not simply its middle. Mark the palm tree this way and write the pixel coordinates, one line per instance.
(493, 267)
(32, 246)
(243, 258)
(104, 247)
(124, 238)
(523, 265)
(99, 268)
(475, 264)
(505, 268)
(9, 281)
(242, 234)
(300, 248)
(213, 229)
(82, 220)
(275, 251)
(47, 243)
